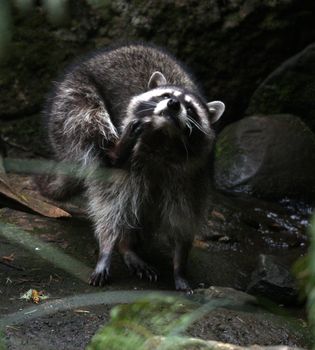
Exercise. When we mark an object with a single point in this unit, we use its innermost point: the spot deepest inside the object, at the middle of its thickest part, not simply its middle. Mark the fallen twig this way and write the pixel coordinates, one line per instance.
(11, 266)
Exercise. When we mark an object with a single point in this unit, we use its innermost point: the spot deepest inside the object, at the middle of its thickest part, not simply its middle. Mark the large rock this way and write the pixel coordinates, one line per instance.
(272, 279)
(289, 89)
(268, 156)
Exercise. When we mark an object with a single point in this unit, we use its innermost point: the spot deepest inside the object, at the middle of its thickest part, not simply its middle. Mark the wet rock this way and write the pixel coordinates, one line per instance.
(274, 280)
(249, 221)
(268, 156)
(289, 89)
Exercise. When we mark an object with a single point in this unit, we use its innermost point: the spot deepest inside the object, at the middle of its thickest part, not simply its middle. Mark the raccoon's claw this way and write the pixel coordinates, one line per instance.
(99, 279)
(136, 127)
(139, 268)
(181, 284)
(151, 274)
(122, 151)
(147, 271)
(100, 275)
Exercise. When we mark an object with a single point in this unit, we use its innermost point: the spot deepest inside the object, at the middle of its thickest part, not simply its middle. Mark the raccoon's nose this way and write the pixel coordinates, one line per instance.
(173, 104)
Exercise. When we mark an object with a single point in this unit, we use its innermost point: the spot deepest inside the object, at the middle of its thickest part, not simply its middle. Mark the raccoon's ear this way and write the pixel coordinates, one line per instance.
(157, 79)
(216, 109)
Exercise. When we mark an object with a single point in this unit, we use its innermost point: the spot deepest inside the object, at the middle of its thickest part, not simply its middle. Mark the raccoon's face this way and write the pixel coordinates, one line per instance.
(172, 109)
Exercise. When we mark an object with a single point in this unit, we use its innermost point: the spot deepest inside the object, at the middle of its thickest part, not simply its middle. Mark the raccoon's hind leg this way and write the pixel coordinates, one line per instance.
(101, 273)
(181, 252)
(105, 213)
(134, 263)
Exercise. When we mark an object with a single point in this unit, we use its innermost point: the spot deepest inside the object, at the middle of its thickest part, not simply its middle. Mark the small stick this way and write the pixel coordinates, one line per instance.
(12, 266)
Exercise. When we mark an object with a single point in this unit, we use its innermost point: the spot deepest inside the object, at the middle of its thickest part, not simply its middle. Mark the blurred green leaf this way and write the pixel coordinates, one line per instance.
(168, 317)
(131, 325)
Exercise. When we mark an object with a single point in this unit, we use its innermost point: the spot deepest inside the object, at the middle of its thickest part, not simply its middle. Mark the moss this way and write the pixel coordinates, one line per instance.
(271, 22)
(225, 151)
(38, 52)
(289, 89)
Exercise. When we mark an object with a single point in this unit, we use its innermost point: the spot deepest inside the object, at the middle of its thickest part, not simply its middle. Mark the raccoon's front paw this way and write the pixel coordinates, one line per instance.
(136, 127)
(139, 268)
(181, 284)
(100, 275)
(99, 279)
(122, 151)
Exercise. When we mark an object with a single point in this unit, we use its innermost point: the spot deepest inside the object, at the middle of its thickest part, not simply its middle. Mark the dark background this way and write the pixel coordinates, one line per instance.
(230, 45)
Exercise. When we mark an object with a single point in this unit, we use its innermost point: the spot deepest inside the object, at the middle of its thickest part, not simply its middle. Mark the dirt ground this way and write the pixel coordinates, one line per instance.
(57, 255)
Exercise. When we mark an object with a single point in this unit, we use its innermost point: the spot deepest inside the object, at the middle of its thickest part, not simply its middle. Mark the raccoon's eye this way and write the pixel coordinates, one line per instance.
(190, 110)
(165, 96)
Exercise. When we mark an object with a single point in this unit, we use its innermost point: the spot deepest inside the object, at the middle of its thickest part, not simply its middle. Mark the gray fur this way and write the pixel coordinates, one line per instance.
(161, 188)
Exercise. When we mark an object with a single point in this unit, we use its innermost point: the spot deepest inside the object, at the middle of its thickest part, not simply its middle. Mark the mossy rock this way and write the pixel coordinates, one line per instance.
(269, 156)
(37, 54)
(289, 89)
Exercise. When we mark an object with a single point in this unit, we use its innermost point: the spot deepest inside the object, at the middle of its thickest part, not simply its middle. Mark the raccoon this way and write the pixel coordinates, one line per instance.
(136, 112)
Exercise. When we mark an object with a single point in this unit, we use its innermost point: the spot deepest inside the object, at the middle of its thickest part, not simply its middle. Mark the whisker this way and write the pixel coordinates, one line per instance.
(145, 110)
(190, 118)
(197, 125)
(185, 149)
(189, 127)
(149, 103)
